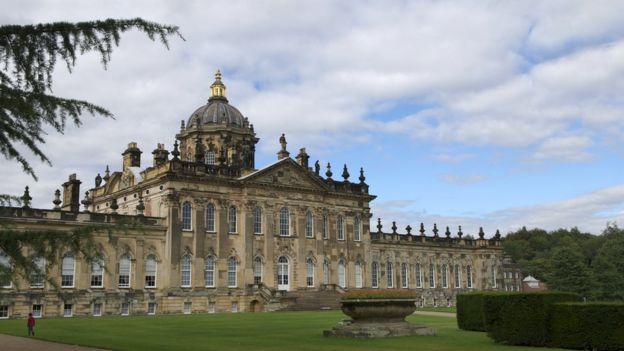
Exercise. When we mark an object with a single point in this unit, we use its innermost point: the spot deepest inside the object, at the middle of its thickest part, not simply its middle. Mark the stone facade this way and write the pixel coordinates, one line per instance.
(219, 235)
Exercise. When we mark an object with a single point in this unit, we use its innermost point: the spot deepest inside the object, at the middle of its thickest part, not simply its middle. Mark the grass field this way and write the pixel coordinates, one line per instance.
(244, 331)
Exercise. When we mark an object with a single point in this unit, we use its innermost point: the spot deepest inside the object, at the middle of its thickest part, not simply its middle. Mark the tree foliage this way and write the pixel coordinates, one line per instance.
(570, 260)
(28, 56)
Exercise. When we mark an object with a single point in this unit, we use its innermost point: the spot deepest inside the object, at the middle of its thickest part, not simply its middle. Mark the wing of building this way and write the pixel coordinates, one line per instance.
(217, 234)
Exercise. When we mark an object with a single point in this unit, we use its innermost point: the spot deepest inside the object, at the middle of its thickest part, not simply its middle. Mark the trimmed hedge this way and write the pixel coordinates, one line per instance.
(470, 311)
(521, 318)
(597, 326)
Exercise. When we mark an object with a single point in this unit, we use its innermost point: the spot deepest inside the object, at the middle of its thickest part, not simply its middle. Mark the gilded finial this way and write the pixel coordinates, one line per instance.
(217, 89)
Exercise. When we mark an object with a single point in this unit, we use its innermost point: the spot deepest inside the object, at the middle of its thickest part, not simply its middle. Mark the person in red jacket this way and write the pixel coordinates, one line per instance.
(31, 325)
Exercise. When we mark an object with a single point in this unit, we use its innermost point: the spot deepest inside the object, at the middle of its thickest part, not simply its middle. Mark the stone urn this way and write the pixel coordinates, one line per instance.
(378, 310)
(378, 318)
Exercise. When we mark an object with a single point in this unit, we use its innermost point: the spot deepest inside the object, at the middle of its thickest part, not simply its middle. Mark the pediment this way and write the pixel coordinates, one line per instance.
(286, 172)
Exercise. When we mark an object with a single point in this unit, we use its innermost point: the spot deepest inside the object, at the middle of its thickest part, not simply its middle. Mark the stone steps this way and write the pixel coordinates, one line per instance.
(312, 300)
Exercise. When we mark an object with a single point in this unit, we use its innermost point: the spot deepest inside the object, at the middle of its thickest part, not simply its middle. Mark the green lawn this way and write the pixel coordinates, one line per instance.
(243, 331)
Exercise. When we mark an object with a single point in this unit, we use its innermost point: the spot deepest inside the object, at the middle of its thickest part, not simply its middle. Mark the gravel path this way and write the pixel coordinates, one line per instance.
(15, 343)
(436, 314)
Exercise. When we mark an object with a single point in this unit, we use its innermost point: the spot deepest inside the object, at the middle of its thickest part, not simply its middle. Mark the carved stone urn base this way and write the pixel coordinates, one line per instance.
(378, 330)
(378, 318)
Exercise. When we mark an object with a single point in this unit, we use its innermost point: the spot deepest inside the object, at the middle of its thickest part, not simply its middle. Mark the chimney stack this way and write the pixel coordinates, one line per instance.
(303, 157)
(132, 156)
(161, 155)
(71, 194)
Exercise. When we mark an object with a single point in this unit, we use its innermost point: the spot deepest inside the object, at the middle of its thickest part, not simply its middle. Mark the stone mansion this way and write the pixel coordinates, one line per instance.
(214, 233)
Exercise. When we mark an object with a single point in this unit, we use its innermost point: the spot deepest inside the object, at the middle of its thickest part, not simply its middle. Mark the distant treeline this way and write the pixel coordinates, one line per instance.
(569, 260)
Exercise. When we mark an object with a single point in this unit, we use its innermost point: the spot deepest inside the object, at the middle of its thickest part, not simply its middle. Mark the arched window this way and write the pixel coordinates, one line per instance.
(257, 220)
(232, 220)
(150, 271)
(358, 274)
(185, 271)
(5, 274)
(326, 277)
(404, 275)
(97, 274)
(187, 215)
(340, 228)
(390, 274)
(444, 276)
(357, 229)
(284, 222)
(209, 272)
(210, 218)
(68, 266)
(210, 158)
(325, 227)
(231, 266)
(342, 274)
(36, 277)
(457, 271)
(418, 275)
(432, 275)
(469, 277)
(124, 271)
(374, 275)
(309, 272)
(257, 269)
(282, 273)
(309, 225)
(494, 277)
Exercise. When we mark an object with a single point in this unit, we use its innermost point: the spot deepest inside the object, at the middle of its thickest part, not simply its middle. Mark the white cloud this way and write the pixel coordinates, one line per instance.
(568, 148)
(589, 212)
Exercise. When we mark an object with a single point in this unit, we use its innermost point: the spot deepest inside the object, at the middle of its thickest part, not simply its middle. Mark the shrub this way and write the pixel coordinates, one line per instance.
(470, 311)
(379, 294)
(521, 318)
(598, 326)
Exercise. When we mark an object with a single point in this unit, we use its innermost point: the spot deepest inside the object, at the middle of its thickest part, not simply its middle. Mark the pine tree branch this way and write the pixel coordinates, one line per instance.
(28, 55)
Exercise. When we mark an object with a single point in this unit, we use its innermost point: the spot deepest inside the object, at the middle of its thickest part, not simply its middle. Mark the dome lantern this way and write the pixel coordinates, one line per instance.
(217, 89)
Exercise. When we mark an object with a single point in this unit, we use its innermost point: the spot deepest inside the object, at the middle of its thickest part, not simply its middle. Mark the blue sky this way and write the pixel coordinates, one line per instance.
(480, 113)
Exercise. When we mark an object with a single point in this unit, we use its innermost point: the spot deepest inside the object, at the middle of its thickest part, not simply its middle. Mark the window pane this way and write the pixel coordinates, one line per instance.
(284, 222)
(374, 275)
(232, 272)
(232, 220)
(209, 271)
(356, 229)
(257, 220)
(257, 270)
(342, 274)
(390, 274)
(187, 210)
(67, 271)
(124, 272)
(150, 271)
(210, 218)
(185, 270)
(310, 272)
(309, 229)
(340, 228)
(358, 275)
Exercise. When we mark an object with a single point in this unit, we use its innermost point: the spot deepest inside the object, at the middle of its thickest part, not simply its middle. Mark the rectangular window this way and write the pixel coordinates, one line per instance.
(494, 277)
(340, 228)
(151, 308)
(325, 228)
(68, 310)
(36, 277)
(356, 229)
(37, 311)
(125, 308)
(257, 220)
(469, 277)
(4, 311)
(390, 275)
(418, 276)
(404, 275)
(210, 218)
(211, 307)
(432, 274)
(234, 307)
(97, 309)
(188, 307)
(96, 275)
(67, 272)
